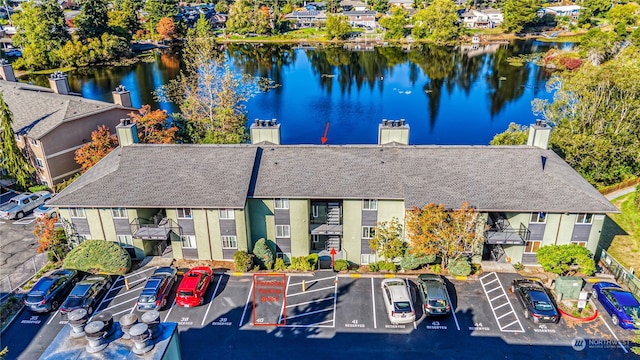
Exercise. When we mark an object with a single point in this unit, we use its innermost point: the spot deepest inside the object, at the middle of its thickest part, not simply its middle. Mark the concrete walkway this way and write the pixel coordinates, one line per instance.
(617, 194)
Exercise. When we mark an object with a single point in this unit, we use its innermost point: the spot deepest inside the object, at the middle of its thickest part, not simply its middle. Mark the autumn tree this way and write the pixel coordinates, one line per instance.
(153, 126)
(52, 240)
(387, 240)
(12, 158)
(158, 9)
(102, 142)
(166, 28)
(245, 18)
(449, 234)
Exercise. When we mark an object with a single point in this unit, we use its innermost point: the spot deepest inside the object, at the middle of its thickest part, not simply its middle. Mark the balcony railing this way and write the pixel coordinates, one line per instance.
(148, 229)
(501, 232)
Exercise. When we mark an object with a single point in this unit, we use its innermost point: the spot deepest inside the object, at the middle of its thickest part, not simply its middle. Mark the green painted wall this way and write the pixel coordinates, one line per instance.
(214, 233)
(95, 226)
(514, 252)
(107, 224)
(176, 245)
(596, 231)
(202, 233)
(241, 230)
(299, 211)
(148, 213)
(352, 229)
(262, 223)
(559, 229)
(388, 209)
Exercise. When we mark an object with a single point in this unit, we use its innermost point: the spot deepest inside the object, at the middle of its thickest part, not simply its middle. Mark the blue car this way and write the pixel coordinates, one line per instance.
(50, 291)
(619, 303)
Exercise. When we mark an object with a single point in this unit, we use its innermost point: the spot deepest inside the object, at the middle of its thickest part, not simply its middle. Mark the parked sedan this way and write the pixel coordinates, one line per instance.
(397, 300)
(155, 292)
(536, 301)
(434, 294)
(619, 303)
(50, 291)
(193, 286)
(43, 211)
(86, 294)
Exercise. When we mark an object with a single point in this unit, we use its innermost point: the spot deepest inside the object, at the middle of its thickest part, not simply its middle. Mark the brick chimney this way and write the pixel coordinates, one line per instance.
(393, 131)
(265, 131)
(6, 71)
(539, 134)
(122, 96)
(59, 83)
(127, 132)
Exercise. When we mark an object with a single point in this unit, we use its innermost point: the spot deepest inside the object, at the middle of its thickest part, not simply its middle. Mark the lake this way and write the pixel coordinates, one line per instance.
(448, 96)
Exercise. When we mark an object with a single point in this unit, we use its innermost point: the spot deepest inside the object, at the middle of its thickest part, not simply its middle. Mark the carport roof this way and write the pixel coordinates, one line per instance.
(490, 178)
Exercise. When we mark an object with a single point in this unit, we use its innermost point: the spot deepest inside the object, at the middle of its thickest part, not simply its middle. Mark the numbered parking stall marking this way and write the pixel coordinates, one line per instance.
(355, 324)
(436, 325)
(33, 320)
(269, 299)
(184, 321)
(223, 321)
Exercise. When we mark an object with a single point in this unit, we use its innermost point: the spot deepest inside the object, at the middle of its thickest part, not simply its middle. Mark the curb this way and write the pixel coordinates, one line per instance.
(576, 319)
(12, 319)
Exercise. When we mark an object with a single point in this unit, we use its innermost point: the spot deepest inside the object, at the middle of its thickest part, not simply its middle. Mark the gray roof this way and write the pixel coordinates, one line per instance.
(192, 176)
(491, 178)
(38, 110)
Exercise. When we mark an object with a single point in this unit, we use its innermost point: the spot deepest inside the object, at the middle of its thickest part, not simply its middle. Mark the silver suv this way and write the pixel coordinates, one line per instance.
(397, 300)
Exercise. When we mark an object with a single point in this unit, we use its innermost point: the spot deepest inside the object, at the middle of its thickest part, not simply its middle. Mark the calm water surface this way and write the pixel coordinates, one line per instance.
(448, 96)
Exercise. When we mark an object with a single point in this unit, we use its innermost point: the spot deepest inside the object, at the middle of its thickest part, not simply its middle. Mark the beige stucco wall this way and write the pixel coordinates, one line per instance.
(213, 218)
(241, 230)
(352, 229)
(299, 211)
(201, 227)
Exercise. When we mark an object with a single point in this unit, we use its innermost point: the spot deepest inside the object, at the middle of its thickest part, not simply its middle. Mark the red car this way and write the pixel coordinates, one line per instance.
(193, 286)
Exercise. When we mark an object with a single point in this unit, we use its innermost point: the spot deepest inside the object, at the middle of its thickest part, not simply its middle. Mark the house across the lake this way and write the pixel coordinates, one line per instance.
(209, 201)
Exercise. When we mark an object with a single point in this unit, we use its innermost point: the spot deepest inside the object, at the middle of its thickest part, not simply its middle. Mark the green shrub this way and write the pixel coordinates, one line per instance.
(411, 261)
(264, 256)
(637, 197)
(566, 259)
(518, 266)
(300, 263)
(460, 267)
(242, 260)
(437, 268)
(313, 261)
(36, 188)
(374, 267)
(341, 265)
(280, 265)
(99, 256)
(387, 266)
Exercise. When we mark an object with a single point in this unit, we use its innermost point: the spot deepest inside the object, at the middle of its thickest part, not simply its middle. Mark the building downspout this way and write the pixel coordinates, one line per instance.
(104, 237)
(558, 230)
(206, 217)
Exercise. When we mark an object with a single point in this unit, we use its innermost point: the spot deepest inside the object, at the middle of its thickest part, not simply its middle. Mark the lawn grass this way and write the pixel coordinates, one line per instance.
(625, 247)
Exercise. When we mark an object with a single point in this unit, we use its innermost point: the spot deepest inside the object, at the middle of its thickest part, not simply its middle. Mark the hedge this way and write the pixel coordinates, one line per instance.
(99, 256)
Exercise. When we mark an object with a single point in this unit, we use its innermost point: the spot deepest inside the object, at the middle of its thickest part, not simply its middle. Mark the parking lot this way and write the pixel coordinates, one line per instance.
(345, 316)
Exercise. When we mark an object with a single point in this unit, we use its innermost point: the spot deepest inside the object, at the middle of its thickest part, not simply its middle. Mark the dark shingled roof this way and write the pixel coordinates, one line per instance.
(193, 176)
(491, 178)
(37, 110)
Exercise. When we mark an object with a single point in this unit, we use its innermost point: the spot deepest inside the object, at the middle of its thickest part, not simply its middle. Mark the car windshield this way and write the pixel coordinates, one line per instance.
(34, 298)
(631, 311)
(542, 305)
(402, 306)
(185, 293)
(74, 301)
(147, 299)
(440, 302)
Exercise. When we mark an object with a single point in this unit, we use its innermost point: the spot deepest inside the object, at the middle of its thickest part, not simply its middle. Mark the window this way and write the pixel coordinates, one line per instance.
(366, 259)
(226, 214)
(368, 232)
(281, 203)
(532, 246)
(125, 240)
(584, 219)
(119, 213)
(283, 231)
(314, 211)
(34, 142)
(184, 213)
(77, 213)
(284, 256)
(229, 242)
(188, 241)
(370, 204)
(39, 163)
(538, 217)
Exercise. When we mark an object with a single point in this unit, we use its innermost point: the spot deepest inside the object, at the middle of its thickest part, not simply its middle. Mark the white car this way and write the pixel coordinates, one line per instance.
(21, 204)
(43, 211)
(397, 300)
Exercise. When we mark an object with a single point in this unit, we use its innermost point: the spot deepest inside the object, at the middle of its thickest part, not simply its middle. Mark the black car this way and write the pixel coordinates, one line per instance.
(536, 300)
(50, 291)
(86, 294)
(434, 295)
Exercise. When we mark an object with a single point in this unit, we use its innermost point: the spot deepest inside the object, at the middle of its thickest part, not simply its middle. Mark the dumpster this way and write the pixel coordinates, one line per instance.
(569, 286)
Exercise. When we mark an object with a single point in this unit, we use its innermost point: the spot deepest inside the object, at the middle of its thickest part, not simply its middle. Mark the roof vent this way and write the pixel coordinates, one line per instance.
(126, 322)
(152, 320)
(141, 338)
(77, 319)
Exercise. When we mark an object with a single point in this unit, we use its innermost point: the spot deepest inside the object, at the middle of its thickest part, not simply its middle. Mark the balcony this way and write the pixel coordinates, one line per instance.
(148, 229)
(327, 222)
(500, 231)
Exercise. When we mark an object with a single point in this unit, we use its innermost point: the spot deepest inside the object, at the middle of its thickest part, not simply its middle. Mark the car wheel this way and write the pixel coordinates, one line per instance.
(201, 300)
(513, 289)
(526, 314)
(108, 286)
(19, 215)
(54, 305)
(614, 319)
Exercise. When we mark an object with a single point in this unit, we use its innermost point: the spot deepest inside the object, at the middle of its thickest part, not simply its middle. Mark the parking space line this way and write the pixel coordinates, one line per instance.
(311, 291)
(310, 302)
(505, 314)
(120, 303)
(335, 299)
(498, 297)
(453, 311)
(494, 289)
(246, 304)
(169, 312)
(119, 312)
(211, 301)
(373, 301)
(140, 271)
(54, 315)
(130, 284)
(614, 335)
(309, 283)
(284, 303)
(309, 313)
(119, 295)
(511, 323)
(499, 306)
(316, 325)
(494, 307)
(107, 294)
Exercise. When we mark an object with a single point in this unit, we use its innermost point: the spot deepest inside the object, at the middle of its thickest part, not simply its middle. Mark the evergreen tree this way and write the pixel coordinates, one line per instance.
(519, 14)
(245, 18)
(157, 9)
(93, 19)
(395, 23)
(124, 17)
(12, 158)
(439, 21)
